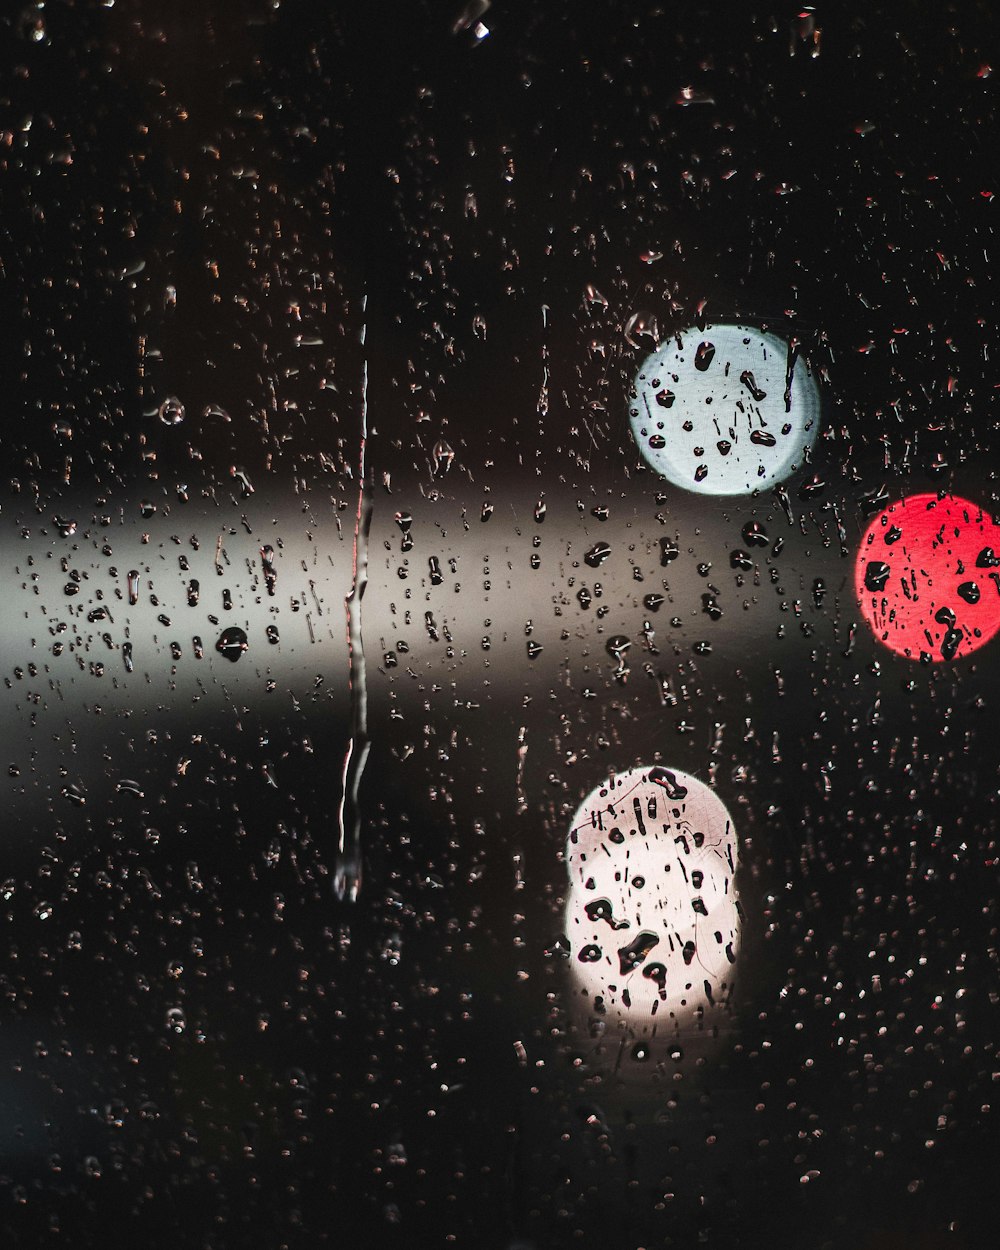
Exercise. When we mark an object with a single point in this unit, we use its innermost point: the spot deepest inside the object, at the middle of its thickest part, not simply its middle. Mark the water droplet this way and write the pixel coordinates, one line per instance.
(668, 551)
(704, 356)
(596, 556)
(876, 576)
(748, 380)
(267, 566)
(754, 534)
(232, 643)
(969, 591)
(171, 411)
(442, 456)
(600, 909)
(639, 326)
(664, 777)
(710, 606)
(632, 955)
(176, 1021)
(950, 643)
(740, 560)
(658, 973)
(987, 559)
(813, 486)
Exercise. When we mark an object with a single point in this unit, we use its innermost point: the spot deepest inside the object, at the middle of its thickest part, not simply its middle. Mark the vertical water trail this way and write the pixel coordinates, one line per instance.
(793, 355)
(347, 872)
(522, 752)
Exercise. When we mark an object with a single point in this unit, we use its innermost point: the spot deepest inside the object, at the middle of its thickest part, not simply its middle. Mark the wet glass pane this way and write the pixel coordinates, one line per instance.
(500, 530)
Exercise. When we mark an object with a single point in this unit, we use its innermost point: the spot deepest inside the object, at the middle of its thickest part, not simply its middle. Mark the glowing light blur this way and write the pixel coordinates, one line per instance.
(926, 577)
(724, 411)
(652, 914)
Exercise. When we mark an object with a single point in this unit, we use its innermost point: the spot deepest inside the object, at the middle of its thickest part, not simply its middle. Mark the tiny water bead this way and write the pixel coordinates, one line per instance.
(726, 410)
(652, 915)
(924, 577)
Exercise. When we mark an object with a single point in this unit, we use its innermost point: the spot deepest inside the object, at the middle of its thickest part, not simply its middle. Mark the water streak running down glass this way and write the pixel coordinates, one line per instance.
(348, 873)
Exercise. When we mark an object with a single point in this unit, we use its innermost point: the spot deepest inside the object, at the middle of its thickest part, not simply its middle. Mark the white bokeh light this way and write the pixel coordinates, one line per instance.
(652, 915)
(725, 410)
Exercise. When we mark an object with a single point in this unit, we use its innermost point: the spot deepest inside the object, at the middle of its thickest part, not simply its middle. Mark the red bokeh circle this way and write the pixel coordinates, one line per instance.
(927, 578)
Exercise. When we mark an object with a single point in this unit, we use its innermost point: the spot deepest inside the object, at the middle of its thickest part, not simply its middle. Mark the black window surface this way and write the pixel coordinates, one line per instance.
(499, 524)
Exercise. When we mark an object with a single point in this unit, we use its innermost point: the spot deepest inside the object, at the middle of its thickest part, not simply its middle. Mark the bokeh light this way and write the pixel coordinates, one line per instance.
(652, 914)
(927, 577)
(724, 411)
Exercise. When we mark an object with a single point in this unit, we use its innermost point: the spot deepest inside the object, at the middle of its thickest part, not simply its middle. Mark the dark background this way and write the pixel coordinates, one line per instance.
(199, 1044)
